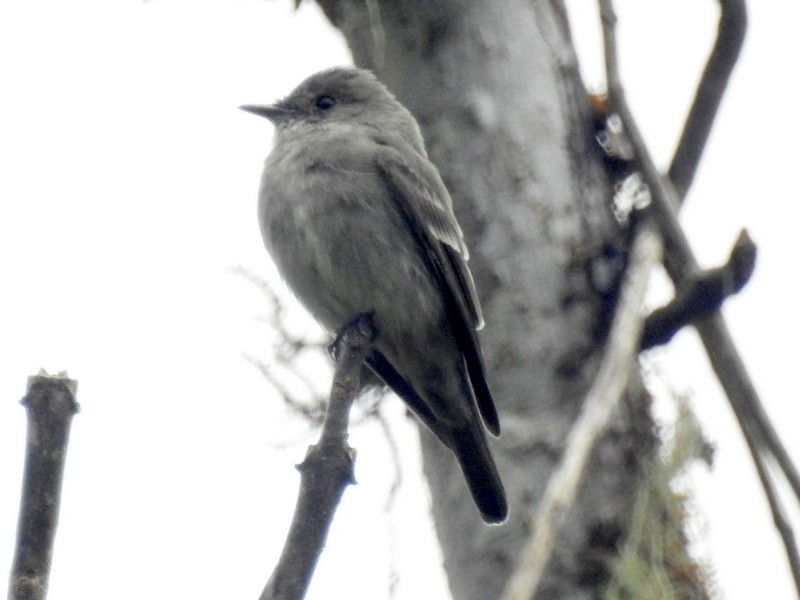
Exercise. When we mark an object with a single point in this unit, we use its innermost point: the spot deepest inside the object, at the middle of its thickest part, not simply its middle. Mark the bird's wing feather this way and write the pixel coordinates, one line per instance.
(427, 201)
(384, 369)
(423, 201)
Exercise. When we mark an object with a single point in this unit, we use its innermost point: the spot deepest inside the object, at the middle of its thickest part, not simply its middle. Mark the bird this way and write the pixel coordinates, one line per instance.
(358, 220)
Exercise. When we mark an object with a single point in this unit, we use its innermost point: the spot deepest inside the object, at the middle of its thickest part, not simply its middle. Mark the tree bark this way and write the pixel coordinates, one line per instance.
(496, 89)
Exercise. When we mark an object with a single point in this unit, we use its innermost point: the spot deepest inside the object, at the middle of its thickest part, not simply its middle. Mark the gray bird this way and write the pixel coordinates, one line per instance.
(358, 220)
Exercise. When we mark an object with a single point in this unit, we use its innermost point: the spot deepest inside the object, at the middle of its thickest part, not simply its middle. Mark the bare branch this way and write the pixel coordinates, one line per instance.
(604, 395)
(710, 90)
(780, 520)
(325, 472)
(50, 403)
(681, 265)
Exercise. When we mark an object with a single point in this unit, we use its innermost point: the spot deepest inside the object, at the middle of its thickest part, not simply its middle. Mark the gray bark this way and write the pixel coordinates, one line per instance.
(496, 89)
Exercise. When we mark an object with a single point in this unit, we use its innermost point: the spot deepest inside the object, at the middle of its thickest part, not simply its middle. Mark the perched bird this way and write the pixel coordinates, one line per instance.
(358, 220)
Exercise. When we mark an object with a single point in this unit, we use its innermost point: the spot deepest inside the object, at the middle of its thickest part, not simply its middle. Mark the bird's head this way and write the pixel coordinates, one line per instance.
(346, 95)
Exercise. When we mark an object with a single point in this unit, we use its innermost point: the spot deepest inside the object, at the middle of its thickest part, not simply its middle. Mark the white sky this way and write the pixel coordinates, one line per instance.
(127, 188)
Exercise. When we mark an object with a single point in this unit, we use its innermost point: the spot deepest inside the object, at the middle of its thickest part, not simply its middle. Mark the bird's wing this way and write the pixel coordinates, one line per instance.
(384, 369)
(422, 199)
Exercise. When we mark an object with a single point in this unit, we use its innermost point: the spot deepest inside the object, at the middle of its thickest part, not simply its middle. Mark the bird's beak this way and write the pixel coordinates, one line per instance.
(273, 112)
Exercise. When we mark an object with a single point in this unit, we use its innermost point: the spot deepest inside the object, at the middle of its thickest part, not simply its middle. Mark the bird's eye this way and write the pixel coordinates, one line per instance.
(325, 102)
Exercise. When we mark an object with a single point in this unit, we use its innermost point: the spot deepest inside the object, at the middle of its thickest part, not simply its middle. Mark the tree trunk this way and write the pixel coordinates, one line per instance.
(496, 89)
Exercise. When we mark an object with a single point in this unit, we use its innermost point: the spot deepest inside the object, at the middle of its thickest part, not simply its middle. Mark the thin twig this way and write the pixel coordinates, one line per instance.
(312, 411)
(604, 395)
(325, 472)
(780, 520)
(681, 265)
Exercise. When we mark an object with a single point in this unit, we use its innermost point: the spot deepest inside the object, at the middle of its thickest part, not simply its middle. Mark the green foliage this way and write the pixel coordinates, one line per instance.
(654, 562)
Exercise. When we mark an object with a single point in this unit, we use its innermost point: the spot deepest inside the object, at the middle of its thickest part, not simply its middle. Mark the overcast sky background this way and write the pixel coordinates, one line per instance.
(128, 184)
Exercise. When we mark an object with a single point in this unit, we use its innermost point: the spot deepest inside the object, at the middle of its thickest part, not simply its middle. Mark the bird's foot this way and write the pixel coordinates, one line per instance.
(364, 323)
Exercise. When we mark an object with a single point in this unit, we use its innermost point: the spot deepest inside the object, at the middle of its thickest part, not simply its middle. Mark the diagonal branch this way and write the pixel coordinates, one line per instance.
(604, 395)
(325, 472)
(760, 435)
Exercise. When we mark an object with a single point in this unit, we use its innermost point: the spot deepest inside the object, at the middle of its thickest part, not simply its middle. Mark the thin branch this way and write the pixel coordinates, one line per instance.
(604, 395)
(681, 265)
(744, 399)
(324, 473)
(50, 405)
(730, 38)
(780, 520)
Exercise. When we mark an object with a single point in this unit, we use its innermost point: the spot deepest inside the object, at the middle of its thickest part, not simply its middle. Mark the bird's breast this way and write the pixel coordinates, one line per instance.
(342, 246)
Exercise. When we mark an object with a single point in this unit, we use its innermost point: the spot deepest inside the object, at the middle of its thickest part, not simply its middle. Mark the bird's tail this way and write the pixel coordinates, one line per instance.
(473, 454)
